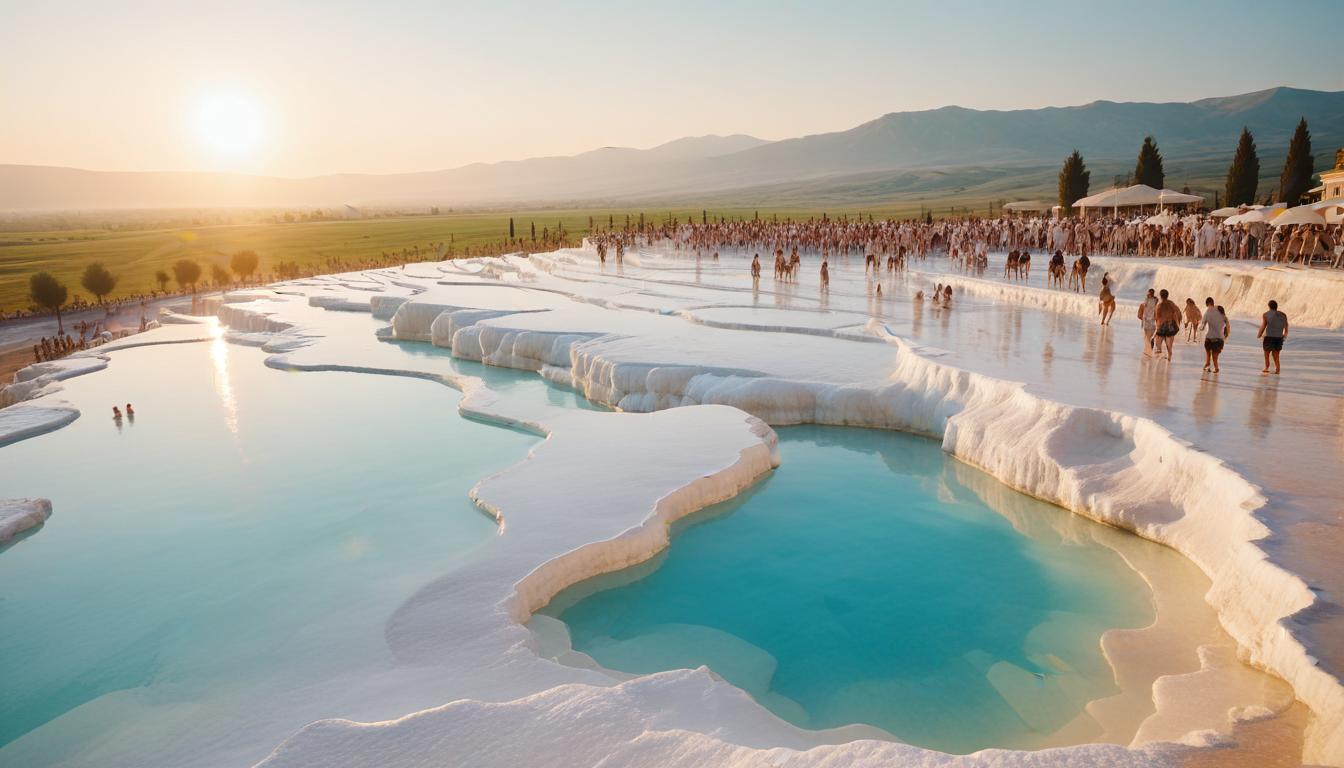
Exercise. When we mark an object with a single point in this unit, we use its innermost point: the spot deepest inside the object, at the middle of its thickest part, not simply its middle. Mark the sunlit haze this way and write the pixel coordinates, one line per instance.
(300, 89)
(230, 124)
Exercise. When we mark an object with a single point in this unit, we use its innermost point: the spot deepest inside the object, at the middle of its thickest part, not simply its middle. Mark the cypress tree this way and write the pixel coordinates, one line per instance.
(534, 231)
(1298, 167)
(1074, 179)
(510, 227)
(1244, 174)
(1148, 169)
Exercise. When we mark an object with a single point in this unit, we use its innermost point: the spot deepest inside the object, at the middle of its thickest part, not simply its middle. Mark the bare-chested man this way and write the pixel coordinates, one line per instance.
(1168, 317)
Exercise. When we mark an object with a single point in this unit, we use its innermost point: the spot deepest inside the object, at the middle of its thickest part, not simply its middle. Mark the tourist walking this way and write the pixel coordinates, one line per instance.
(1106, 301)
(1168, 323)
(1216, 330)
(1192, 320)
(1273, 331)
(1148, 317)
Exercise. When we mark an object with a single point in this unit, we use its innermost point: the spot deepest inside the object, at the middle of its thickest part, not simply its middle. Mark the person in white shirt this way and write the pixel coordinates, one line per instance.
(1207, 242)
(1148, 316)
(1216, 330)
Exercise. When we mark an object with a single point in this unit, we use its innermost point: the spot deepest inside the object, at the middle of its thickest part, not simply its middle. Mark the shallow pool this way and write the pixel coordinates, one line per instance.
(218, 572)
(873, 579)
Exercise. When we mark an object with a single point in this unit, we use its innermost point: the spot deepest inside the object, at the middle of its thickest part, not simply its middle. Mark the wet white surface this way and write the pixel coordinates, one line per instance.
(671, 331)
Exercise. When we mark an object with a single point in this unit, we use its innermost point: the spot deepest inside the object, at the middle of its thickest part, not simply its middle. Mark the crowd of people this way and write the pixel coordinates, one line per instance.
(62, 344)
(967, 243)
(969, 240)
(1193, 236)
(53, 347)
(1162, 319)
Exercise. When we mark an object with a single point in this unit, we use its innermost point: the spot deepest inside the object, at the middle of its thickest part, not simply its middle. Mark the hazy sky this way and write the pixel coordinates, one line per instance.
(303, 88)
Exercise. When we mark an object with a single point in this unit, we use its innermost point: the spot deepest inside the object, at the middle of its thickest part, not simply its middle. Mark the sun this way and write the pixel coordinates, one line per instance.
(230, 123)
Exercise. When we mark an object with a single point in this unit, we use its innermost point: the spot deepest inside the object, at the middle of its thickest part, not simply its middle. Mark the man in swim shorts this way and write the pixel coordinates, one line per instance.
(1168, 322)
(1274, 330)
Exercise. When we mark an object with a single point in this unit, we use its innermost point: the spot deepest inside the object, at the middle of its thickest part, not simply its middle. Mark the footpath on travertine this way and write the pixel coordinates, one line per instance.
(1285, 433)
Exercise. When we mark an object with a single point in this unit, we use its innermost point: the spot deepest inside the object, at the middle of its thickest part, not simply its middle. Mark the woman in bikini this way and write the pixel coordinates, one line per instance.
(1106, 304)
(1192, 320)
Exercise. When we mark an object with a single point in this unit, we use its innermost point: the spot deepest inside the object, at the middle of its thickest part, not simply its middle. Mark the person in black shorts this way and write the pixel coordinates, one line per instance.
(1168, 317)
(1216, 330)
(1273, 331)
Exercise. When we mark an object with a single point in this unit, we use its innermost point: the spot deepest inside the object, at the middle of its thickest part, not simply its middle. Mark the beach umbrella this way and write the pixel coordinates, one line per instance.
(1223, 213)
(1302, 214)
(1256, 215)
(1332, 209)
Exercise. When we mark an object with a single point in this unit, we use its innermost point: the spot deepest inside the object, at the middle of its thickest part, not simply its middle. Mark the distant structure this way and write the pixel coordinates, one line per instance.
(1332, 181)
(351, 212)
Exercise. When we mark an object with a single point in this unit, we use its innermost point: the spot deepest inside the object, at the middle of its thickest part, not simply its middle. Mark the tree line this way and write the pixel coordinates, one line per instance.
(51, 294)
(1243, 175)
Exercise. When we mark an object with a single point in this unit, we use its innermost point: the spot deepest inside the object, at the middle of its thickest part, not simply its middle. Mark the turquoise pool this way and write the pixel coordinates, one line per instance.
(873, 579)
(218, 572)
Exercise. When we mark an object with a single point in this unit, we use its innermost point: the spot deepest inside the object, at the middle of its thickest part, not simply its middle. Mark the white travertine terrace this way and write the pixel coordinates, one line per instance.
(652, 344)
(18, 515)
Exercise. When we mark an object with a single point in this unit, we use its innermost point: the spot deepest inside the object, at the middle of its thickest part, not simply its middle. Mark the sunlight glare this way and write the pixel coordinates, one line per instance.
(229, 123)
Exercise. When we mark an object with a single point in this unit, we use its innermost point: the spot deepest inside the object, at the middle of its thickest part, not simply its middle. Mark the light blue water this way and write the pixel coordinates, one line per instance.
(245, 537)
(868, 580)
(213, 567)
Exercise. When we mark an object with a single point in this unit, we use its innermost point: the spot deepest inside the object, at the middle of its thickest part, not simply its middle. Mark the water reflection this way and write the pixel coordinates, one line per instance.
(219, 358)
(1154, 383)
(187, 576)
(1263, 402)
(1205, 405)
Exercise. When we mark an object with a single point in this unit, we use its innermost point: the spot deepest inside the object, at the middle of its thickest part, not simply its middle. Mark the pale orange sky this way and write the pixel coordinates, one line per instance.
(375, 88)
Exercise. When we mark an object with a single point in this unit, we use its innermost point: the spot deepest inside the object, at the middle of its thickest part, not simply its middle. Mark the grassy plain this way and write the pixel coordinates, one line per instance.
(133, 250)
(134, 256)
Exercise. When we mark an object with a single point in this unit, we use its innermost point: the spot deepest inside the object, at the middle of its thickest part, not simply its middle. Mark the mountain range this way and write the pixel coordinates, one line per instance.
(924, 152)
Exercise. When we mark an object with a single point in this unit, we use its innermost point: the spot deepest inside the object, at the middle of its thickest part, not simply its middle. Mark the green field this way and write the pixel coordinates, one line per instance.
(134, 256)
(133, 246)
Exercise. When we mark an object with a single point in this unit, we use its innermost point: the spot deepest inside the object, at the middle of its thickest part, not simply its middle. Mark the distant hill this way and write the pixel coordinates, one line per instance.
(930, 151)
(1101, 130)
